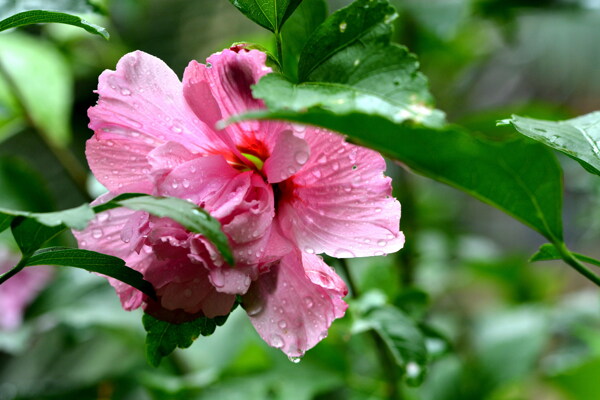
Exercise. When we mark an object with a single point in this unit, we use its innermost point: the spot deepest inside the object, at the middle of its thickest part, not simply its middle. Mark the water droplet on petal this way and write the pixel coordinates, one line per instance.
(295, 360)
(316, 173)
(309, 302)
(176, 129)
(343, 253)
(185, 183)
(253, 308)
(335, 165)
(125, 92)
(381, 243)
(282, 324)
(301, 157)
(322, 159)
(97, 233)
(277, 341)
(309, 250)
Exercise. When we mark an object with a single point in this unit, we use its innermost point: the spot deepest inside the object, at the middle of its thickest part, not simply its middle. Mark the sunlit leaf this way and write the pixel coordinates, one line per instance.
(579, 138)
(39, 78)
(163, 337)
(42, 16)
(270, 14)
(93, 262)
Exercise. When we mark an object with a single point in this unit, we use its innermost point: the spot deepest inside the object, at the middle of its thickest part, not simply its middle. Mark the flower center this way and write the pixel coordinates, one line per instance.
(258, 163)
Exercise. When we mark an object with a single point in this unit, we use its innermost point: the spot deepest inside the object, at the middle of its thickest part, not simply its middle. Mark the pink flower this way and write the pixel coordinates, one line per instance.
(20, 290)
(283, 194)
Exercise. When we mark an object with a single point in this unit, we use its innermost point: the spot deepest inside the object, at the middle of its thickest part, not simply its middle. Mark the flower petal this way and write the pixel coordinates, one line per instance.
(294, 304)
(289, 155)
(142, 102)
(340, 203)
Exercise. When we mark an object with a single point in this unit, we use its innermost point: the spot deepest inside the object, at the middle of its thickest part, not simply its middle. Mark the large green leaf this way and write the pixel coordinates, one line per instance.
(270, 14)
(296, 32)
(42, 16)
(187, 214)
(163, 337)
(93, 262)
(521, 178)
(75, 218)
(579, 138)
(39, 78)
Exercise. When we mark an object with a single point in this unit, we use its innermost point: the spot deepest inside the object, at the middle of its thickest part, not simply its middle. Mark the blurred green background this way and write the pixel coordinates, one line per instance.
(501, 328)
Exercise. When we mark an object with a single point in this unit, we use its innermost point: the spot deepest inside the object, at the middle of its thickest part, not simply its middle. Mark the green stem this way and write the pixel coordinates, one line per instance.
(15, 270)
(568, 257)
(279, 49)
(67, 160)
(388, 364)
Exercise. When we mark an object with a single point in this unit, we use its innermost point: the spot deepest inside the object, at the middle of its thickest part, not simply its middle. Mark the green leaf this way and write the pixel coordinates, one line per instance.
(548, 252)
(579, 138)
(30, 235)
(41, 16)
(270, 14)
(187, 214)
(403, 338)
(92, 261)
(41, 82)
(75, 218)
(521, 178)
(163, 337)
(5, 221)
(294, 35)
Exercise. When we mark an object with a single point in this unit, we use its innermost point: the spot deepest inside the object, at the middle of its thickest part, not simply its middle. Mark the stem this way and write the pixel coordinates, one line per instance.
(567, 256)
(66, 159)
(388, 364)
(279, 49)
(404, 191)
(16, 269)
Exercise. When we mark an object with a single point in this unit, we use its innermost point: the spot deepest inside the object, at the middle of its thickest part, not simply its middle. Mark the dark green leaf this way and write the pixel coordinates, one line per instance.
(270, 14)
(187, 214)
(30, 235)
(92, 261)
(548, 252)
(403, 338)
(163, 337)
(307, 17)
(345, 28)
(523, 179)
(5, 221)
(33, 69)
(41, 16)
(579, 138)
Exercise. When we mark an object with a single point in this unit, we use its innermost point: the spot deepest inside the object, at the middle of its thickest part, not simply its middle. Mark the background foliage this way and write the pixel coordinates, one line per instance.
(495, 326)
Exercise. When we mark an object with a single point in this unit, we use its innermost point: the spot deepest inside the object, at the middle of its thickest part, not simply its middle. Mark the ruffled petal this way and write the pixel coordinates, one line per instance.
(287, 158)
(141, 102)
(341, 203)
(293, 305)
(103, 234)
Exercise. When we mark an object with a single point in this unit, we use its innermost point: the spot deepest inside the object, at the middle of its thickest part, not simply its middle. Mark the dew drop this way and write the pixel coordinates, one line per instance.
(322, 159)
(378, 210)
(282, 324)
(343, 26)
(193, 169)
(185, 183)
(295, 360)
(316, 173)
(174, 185)
(277, 341)
(381, 243)
(309, 302)
(309, 250)
(335, 166)
(176, 129)
(125, 92)
(301, 157)
(413, 370)
(254, 308)
(97, 233)
(343, 253)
